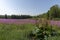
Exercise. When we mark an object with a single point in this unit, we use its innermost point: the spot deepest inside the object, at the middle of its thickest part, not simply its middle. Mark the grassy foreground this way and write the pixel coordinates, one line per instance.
(15, 32)
(18, 32)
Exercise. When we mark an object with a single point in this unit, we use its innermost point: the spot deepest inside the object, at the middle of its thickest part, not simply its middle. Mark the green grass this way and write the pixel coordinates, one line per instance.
(15, 32)
(54, 38)
(56, 19)
(19, 32)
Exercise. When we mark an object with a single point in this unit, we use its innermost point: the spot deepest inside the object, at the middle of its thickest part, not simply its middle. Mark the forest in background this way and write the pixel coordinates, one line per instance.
(52, 13)
(15, 16)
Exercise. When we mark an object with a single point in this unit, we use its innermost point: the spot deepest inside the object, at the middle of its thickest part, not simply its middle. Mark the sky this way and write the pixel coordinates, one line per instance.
(26, 7)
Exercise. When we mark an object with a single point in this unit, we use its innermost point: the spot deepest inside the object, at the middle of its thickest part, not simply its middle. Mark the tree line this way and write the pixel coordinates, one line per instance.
(15, 16)
(53, 12)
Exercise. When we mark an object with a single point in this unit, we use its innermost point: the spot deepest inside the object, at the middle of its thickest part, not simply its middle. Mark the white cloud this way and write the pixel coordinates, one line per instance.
(10, 8)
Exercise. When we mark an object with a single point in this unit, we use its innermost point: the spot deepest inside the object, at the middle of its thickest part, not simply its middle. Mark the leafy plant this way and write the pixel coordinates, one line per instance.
(43, 32)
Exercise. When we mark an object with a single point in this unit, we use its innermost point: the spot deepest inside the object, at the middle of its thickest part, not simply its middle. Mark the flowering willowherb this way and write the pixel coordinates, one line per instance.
(25, 21)
(57, 23)
(17, 21)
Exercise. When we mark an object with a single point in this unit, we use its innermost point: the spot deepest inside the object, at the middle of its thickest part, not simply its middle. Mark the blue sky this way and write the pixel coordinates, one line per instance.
(26, 7)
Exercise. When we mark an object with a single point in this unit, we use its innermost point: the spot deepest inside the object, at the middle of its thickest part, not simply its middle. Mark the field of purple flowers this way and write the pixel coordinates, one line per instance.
(25, 21)
(17, 21)
(10, 31)
(57, 23)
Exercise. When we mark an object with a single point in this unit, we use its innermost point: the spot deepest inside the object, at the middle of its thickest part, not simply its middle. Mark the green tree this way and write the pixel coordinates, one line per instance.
(5, 16)
(54, 12)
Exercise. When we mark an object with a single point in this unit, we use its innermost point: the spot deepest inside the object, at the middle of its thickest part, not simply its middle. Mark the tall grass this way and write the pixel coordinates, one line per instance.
(15, 32)
(19, 32)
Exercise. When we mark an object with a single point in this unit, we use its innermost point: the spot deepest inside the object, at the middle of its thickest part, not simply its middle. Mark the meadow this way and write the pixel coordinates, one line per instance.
(25, 21)
(19, 29)
(15, 32)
